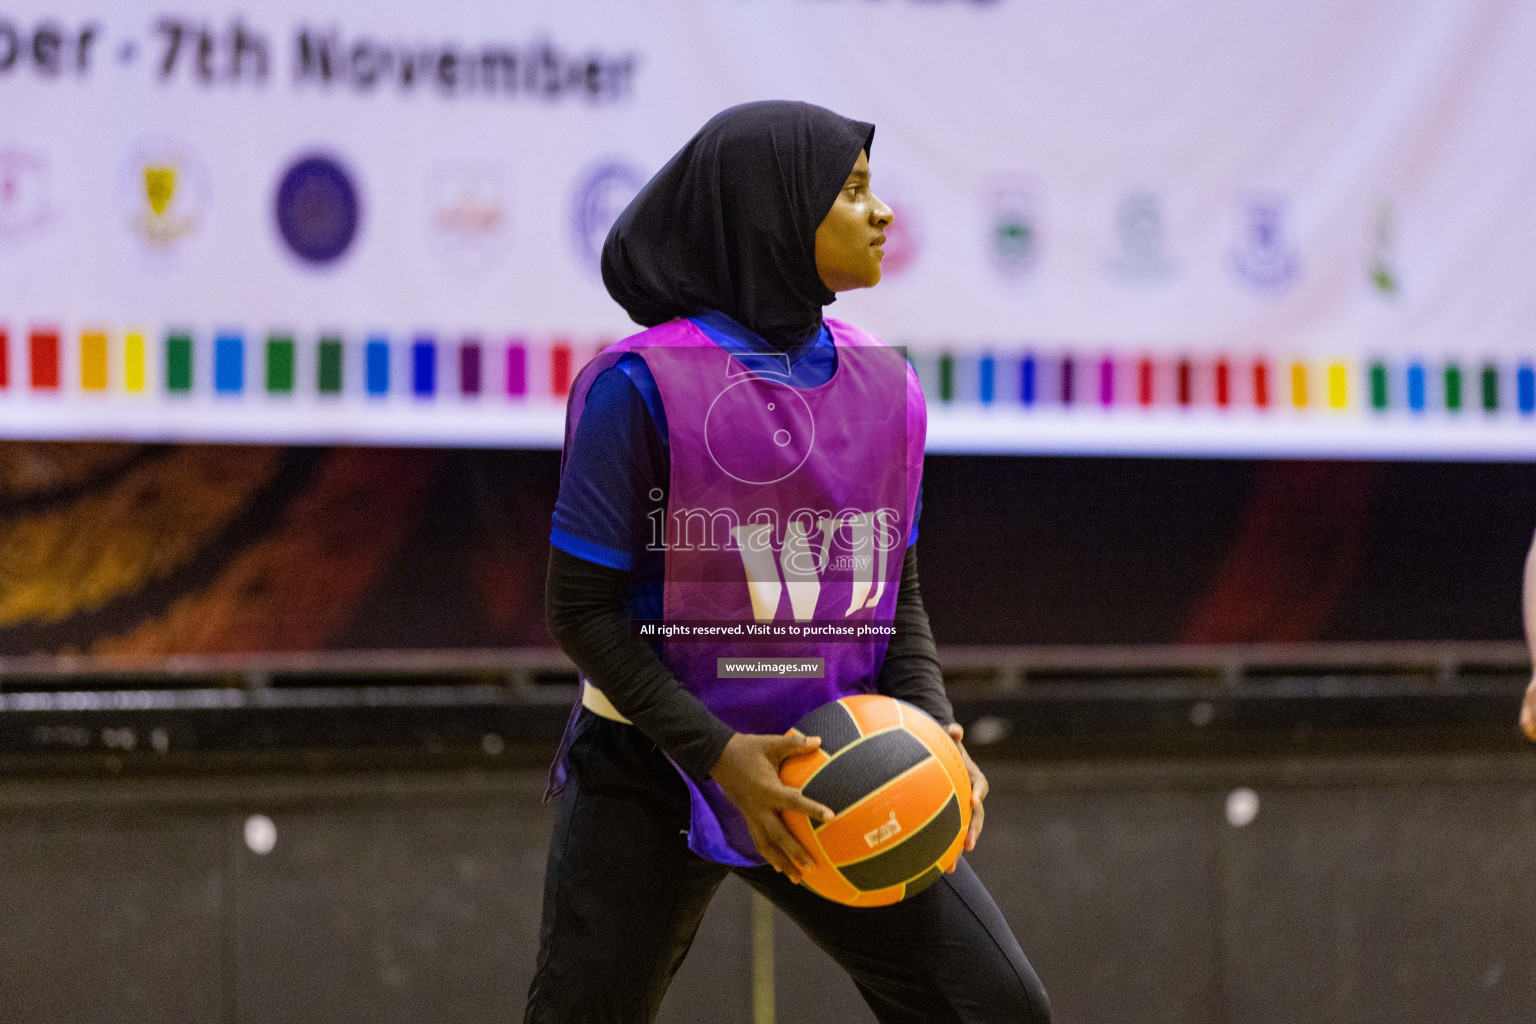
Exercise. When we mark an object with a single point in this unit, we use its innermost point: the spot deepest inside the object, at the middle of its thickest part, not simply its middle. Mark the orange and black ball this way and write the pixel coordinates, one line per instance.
(900, 792)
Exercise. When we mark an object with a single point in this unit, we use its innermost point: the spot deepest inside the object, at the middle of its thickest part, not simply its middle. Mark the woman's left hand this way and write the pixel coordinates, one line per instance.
(979, 785)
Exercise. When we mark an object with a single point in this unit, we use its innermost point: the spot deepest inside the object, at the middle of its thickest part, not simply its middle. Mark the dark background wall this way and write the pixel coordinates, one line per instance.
(1043, 550)
(1367, 889)
(160, 549)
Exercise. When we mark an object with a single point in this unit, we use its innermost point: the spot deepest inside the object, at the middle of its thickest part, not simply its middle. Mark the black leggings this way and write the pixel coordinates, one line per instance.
(623, 897)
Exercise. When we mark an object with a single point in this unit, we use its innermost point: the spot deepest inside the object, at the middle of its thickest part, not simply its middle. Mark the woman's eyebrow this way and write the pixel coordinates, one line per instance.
(857, 178)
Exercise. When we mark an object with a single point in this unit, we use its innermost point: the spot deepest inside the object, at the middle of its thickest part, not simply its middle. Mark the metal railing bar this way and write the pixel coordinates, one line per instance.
(1007, 668)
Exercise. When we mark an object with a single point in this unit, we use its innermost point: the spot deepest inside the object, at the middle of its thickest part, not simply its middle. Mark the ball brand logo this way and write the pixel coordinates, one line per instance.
(467, 214)
(1265, 256)
(602, 192)
(1012, 223)
(317, 208)
(1142, 233)
(887, 830)
(25, 208)
(163, 191)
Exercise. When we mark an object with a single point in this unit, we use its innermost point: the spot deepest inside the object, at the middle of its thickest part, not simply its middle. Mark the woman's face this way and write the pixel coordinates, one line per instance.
(849, 240)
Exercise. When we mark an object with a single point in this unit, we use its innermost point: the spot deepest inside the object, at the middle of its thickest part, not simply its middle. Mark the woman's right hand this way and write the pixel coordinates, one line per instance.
(748, 771)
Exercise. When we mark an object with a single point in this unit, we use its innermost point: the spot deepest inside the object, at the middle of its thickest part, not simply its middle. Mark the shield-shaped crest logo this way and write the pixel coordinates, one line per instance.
(1265, 257)
(25, 205)
(160, 187)
(163, 192)
(1012, 226)
(469, 215)
(1383, 272)
(1142, 231)
(601, 193)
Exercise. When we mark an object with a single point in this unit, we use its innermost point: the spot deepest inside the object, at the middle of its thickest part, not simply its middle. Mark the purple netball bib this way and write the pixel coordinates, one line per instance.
(789, 510)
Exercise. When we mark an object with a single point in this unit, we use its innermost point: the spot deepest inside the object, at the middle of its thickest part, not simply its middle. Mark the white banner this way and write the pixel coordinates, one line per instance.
(1189, 228)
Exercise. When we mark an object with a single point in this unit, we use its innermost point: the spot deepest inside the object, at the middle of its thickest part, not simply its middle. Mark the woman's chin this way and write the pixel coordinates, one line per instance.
(852, 280)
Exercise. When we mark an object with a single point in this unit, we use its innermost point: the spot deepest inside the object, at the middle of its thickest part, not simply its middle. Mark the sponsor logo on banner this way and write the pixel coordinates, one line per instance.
(904, 234)
(602, 192)
(318, 210)
(1012, 225)
(1142, 233)
(468, 214)
(163, 191)
(1383, 270)
(1265, 257)
(25, 206)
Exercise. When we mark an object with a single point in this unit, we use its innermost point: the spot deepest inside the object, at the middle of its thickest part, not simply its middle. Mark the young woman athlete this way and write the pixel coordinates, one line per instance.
(743, 460)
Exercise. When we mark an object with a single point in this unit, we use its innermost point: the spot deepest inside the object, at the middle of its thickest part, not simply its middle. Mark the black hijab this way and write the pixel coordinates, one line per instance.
(730, 222)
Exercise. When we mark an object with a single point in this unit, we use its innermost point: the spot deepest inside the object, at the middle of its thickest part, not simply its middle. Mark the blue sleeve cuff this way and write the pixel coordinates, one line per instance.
(595, 553)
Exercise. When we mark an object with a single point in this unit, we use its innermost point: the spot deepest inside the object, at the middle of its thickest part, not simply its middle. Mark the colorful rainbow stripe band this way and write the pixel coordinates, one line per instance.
(41, 359)
(1035, 381)
(1024, 379)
